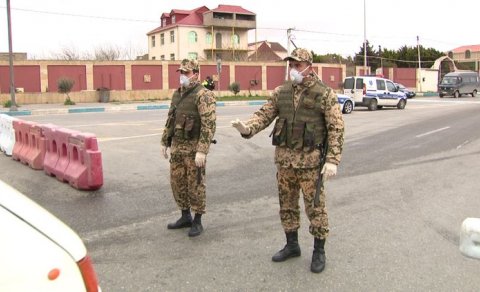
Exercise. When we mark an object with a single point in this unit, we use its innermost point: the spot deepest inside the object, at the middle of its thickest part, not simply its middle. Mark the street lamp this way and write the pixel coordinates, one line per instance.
(364, 38)
(13, 107)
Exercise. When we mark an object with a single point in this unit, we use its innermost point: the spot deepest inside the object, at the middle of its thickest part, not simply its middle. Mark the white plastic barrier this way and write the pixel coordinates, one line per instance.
(7, 134)
(470, 238)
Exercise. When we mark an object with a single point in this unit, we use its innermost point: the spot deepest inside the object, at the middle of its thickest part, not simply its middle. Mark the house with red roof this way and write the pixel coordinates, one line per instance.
(468, 55)
(266, 51)
(203, 34)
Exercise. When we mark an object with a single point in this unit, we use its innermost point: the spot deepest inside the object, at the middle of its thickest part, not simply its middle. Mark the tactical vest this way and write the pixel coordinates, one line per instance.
(304, 128)
(187, 118)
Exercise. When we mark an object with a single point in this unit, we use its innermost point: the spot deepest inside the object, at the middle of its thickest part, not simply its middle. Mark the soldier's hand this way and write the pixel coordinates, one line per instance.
(165, 151)
(200, 159)
(329, 170)
(241, 127)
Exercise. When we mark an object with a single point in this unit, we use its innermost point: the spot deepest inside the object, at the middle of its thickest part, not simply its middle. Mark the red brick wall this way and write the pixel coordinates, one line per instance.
(109, 76)
(75, 72)
(405, 76)
(244, 75)
(26, 77)
(141, 74)
(275, 76)
(332, 77)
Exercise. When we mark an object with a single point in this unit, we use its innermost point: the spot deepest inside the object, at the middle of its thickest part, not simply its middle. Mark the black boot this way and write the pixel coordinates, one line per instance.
(318, 257)
(291, 249)
(197, 227)
(184, 221)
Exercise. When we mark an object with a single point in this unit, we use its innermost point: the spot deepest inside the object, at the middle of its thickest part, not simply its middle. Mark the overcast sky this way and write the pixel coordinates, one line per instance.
(41, 28)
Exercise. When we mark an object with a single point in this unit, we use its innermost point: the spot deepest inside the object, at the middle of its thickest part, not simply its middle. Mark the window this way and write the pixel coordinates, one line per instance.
(162, 57)
(380, 85)
(153, 58)
(468, 54)
(359, 83)
(208, 38)
(172, 36)
(193, 56)
(172, 57)
(192, 37)
(164, 22)
(391, 87)
(218, 40)
(173, 19)
(153, 41)
(235, 39)
(162, 39)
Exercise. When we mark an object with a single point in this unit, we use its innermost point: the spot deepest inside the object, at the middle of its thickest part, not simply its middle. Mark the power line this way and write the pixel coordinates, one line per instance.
(81, 15)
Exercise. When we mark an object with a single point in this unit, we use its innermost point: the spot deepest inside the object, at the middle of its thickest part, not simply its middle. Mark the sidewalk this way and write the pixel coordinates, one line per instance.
(58, 108)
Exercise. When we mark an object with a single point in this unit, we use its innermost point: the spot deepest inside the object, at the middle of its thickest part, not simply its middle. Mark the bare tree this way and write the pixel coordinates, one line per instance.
(107, 53)
(67, 54)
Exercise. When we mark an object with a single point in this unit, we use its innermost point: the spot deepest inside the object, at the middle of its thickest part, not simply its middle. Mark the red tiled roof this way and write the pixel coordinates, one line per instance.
(472, 48)
(194, 17)
(232, 9)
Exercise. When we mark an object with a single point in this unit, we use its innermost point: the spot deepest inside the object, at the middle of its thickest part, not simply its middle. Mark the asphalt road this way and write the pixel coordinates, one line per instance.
(407, 180)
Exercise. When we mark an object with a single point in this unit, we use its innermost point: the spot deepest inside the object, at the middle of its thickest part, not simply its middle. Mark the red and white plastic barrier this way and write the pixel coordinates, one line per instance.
(69, 155)
(84, 170)
(7, 134)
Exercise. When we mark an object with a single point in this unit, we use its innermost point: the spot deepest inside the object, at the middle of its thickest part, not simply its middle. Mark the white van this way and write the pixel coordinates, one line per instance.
(374, 92)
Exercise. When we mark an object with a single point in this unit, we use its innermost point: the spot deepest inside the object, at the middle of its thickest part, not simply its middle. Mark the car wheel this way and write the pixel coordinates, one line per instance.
(441, 95)
(401, 104)
(347, 107)
(456, 94)
(372, 106)
(474, 93)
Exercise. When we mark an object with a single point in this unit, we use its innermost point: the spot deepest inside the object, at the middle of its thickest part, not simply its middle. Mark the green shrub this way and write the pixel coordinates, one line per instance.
(234, 87)
(8, 103)
(64, 86)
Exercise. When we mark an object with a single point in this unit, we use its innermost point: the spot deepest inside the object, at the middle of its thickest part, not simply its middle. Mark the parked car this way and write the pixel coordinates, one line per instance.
(457, 83)
(374, 92)
(405, 90)
(346, 103)
(39, 252)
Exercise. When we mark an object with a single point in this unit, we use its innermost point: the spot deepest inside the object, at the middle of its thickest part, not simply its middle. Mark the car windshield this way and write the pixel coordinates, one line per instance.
(449, 80)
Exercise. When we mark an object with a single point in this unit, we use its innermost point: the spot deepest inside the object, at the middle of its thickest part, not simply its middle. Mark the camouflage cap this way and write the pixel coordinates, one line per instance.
(188, 65)
(300, 55)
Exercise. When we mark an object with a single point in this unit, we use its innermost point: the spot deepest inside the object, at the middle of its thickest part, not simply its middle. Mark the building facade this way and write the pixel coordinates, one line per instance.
(468, 57)
(203, 34)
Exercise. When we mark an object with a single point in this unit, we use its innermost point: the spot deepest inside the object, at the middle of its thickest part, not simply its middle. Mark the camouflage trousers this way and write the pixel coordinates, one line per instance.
(183, 180)
(290, 182)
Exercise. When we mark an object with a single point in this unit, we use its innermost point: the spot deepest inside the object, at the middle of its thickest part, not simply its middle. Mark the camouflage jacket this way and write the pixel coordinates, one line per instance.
(206, 104)
(286, 157)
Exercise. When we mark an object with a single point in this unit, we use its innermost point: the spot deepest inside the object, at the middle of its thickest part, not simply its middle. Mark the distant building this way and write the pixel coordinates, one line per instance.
(16, 56)
(468, 56)
(202, 34)
(266, 51)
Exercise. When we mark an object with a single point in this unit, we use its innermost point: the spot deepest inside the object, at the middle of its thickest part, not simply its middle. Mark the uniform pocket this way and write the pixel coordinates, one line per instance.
(279, 132)
(189, 122)
(309, 137)
(297, 134)
(180, 126)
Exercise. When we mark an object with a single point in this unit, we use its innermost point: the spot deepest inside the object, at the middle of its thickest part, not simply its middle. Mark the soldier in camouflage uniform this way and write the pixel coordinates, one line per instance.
(189, 131)
(306, 110)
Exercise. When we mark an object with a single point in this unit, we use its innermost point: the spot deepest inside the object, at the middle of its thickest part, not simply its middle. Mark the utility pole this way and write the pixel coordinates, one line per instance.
(13, 107)
(364, 38)
(419, 64)
(289, 39)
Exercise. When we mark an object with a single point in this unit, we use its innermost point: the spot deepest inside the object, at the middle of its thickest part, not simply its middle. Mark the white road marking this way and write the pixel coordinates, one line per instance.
(128, 137)
(432, 132)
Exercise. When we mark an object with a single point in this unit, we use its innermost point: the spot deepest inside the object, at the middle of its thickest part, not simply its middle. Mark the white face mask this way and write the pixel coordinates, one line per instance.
(297, 77)
(185, 80)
